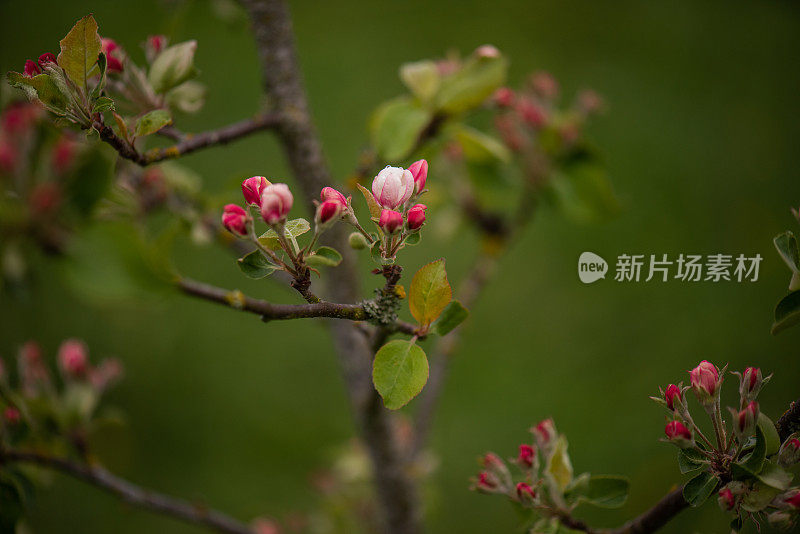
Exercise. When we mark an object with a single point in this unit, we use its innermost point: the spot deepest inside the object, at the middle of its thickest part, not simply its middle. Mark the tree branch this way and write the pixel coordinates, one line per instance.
(131, 493)
(656, 517)
(189, 142)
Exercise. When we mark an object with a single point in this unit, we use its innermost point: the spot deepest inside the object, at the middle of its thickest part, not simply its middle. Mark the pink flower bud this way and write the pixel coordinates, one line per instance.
(156, 43)
(11, 416)
(46, 58)
(487, 51)
(486, 482)
(672, 394)
(390, 221)
(750, 383)
(31, 69)
(531, 113)
(330, 210)
(393, 186)
(106, 374)
(504, 97)
(63, 155)
(527, 454)
(705, 381)
(252, 189)
(45, 198)
(72, 358)
(793, 500)
(726, 499)
(19, 118)
(789, 453)
(678, 433)
(525, 493)
(234, 219)
(545, 85)
(419, 170)
(544, 432)
(415, 216)
(780, 520)
(589, 101)
(491, 461)
(265, 526)
(329, 193)
(108, 47)
(276, 201)
(746, 419)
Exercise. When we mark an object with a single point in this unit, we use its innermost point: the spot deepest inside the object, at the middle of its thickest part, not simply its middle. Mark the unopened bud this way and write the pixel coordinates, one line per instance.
(108, 47)
(726, 499)
(46, 58)
(750, 383)
(678, 434)
(329, 193)
(487, 51)
(234, 219)
(252, 189)
(790, 452)
(329, 211)
(746, 420)
(419, 170)
(780, 520)
(390, 221)
(544, 84)
(526, 456)
(415, 217)
(392, 187)
(705, 382)
(358, 241)
(531, 113)
(525, 493)
(31, 69)
(11, 416)
(544, 432)
(504, 97)
(793, 500)
(673, 396)
(72, 358)
(276, 201)
(487, 483)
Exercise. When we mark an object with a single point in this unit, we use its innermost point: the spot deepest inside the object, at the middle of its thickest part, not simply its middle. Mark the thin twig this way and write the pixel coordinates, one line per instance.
(131, 493)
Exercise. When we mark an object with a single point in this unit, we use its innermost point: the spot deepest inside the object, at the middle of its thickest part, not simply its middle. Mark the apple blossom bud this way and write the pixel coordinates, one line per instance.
(793, 500)
(108, 47)
(276, 201)
(357, 241)
(504, 97)
(31, 69)
(531, 113)
(544, 432)
(780, 520)
(328, 211)
(527, 455)
(589, 102)
(726, 500)
(11, 416)
(750, 383)
(72, 358)
(419, 170)
(746, 420)
(393, 186)
(45, 198)
(44, 59)
(415, 217)
(497, 469)
(673, 395)
(390, 221)
(63, 155)
(19, 118)
(544, 84)
(678, 434)
(329, 193)
(252, 189)
(790, 452)
(487, 483)
(155, 44)
(705, 382)
(234, 219)
(525, 493)
(487, 51)
(106, 374)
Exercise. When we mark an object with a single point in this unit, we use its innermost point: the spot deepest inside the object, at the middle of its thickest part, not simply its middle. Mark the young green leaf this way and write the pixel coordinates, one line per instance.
(690, 460)
(152, 122)
(372, 204)
(479, 147)
(787, 312)
(422, 78)
(603, 491)
(396, 126)
(79, 51)
(255, 265)
(102, 104)
(698, 489)
(559, 466)
(41, 87)
(399, 372)
(429, 293)
(413, 239)
(480, 76)
(452, 316)
(324, 257)
(786, 244)
(293, 228)
(102, 64)
(772, 441)
(173, 66)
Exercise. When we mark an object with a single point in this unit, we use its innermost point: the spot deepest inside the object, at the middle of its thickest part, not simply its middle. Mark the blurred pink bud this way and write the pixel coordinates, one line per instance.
(72, 358)
(487, 51)
(419, 170)
(63, 154)
(486, 482)
(108, 47)
(491, 461)
(544, 84)
(329, 193)
(677, 432)
(531, 113)
(393, 186)
(415, 216)
(390, 221)
(794, 500)
(672, 394)
(11, 415)
(504, 97)
(156, 43)
(589, 101)
(746, 419)
(31, 69)
(544, 431)
(705, 381)
(265, 526)
(252, 189)
(726, 499)
(329, 210)
(750, 383)
(527, 454)
(47, 57)
(507, 127)
(45, 198)
(276, 201)
(106, 374)
(525, 493)
(234, 219)
(19, 118)
(32, 371)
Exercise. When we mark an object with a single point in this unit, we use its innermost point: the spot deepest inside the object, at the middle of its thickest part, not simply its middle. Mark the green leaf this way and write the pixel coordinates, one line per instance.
(399, 372)
(786, 244)
(422, 79)
(173, 66)
(584, 193)
(255, 265)
(413, 239)
(787, 312)
(41, 87)
(79, 51)
(429, 292)
(690, 460)
(772, 441)
(559, 466)
(152, 122)
(479, 147)
(603, 491)
(102, 104)
(472, 84)
(188, 97)
(293, 228)
(775, 477)
(396, 126)
(375, 254)
(372, 204)
(758, 497)
(324, 257)
(452, 316)
(698, 489)
(102, 66)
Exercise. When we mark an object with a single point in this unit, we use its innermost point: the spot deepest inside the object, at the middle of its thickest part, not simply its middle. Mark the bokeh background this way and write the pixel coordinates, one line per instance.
(700, 139)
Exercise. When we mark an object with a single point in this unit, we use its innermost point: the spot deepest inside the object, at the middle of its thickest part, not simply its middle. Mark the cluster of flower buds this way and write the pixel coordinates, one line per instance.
(273, 202)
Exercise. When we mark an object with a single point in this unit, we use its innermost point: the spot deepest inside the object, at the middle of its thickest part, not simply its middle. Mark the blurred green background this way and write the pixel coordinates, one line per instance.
(700, 139)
